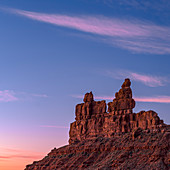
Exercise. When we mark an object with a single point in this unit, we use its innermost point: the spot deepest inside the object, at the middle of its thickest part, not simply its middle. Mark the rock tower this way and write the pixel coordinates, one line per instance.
(92, 120)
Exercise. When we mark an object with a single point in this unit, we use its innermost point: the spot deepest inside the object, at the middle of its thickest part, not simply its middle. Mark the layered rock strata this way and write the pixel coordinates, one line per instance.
(116, 139)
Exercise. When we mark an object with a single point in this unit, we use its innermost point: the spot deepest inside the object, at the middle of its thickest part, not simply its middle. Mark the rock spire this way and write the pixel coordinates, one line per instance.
(123, 102)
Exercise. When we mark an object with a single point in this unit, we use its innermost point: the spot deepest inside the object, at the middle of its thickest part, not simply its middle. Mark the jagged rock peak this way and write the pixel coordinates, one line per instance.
(123, 100)
(89, 107)
(125, 92)
(88, 97)
(127, 83)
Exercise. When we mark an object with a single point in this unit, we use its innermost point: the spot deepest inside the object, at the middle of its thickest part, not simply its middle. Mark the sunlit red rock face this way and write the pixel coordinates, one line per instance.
(116, 139)
(92, 120)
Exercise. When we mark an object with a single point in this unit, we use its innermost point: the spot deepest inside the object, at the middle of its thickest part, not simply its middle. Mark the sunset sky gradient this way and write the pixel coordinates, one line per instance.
(53, 52)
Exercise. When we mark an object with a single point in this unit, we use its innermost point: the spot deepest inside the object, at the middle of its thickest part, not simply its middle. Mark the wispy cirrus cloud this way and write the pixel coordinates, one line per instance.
(155, 99)
(144, 45)
(148, 80)
(12, 96)
(30, 96)
(92, 24)
(8, 153)
(95, 97)
(158, 5)
(8, 96)
(134, 35)
(22, 156)
(152, 99)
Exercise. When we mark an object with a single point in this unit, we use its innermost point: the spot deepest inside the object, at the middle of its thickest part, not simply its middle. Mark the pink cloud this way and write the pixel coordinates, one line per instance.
(145, 45)
(22, 156)
(134, 35)
(95, 97)
(4, 157)
(92, 24)
(7, 96)
(155, 99)
(149, 80)
(8, 153)
(158, 5)
(10, 96)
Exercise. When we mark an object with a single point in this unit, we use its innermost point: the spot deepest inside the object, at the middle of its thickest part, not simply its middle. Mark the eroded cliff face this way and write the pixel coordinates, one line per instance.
(133, 151)
(92, 120)
(115, 138)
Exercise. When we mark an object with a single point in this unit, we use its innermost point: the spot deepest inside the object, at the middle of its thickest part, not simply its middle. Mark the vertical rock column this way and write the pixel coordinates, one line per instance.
(86, 114)
(123, 103)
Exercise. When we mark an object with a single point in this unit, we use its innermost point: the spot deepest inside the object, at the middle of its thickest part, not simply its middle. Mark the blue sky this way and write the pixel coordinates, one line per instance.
(53, 52)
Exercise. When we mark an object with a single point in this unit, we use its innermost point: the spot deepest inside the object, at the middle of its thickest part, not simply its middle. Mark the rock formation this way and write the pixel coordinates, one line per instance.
(116, 139)
(93, 121)
(123, 101)
(89, 107)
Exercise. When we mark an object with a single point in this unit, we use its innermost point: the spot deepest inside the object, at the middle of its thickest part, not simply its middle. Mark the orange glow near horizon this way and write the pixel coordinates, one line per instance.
(18, 149)
(16, 159)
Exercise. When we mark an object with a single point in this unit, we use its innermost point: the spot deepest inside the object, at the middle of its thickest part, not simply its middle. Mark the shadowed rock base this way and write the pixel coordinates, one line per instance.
(117, 139)
(144, 150)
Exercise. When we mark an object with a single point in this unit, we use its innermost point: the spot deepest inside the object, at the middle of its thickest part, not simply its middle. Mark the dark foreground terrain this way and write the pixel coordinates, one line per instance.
(146, 150)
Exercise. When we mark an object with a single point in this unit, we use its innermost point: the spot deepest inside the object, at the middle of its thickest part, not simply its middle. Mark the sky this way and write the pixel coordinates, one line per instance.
(53, 52)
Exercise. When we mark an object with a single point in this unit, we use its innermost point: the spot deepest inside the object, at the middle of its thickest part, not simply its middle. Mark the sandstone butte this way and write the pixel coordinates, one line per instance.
(114, 139)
